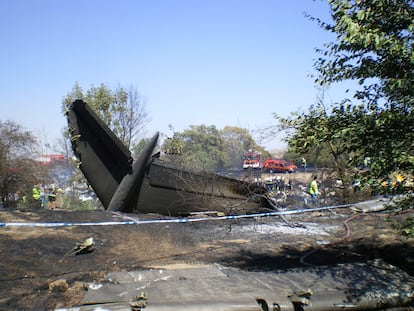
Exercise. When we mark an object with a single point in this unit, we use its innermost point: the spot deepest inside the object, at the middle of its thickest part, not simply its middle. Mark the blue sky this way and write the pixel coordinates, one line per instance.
(221, 62)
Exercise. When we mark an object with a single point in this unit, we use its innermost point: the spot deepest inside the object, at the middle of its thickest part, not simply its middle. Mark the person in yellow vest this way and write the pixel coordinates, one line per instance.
(304, 164)
(313, 189)
(398, 183)
(36, 195)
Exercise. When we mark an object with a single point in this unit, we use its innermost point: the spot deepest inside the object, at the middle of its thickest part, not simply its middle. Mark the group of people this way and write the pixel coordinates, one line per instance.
(278, 185)
(44, 198)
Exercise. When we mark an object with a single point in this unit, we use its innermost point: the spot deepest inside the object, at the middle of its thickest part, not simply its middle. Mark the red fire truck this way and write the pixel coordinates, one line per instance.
(252, 159)
(47, 159)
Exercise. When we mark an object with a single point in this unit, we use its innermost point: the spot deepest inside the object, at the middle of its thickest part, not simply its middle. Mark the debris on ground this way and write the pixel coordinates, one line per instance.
(58, 286)
(82, 248)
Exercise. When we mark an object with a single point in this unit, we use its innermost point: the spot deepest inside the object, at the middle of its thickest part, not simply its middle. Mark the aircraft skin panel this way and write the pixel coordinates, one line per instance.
(104, 160)
(162, 176)
(169, 201)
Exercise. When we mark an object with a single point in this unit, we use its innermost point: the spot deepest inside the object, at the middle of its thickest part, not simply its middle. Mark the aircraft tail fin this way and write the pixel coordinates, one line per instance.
(104, 159)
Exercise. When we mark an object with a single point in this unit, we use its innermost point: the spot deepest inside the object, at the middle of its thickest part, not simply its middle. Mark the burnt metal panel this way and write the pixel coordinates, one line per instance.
(173, 191)
(164, 176)
(169, 201)
(126, 196)
(372, 285)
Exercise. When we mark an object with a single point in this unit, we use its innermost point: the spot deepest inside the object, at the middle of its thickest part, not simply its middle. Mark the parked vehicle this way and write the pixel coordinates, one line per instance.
(279, 166)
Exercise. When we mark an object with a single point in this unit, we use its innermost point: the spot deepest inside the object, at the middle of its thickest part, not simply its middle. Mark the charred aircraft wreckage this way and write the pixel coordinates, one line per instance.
(148, 184)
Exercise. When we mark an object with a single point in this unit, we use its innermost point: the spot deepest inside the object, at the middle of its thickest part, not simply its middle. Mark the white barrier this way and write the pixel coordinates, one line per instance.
(178, 220)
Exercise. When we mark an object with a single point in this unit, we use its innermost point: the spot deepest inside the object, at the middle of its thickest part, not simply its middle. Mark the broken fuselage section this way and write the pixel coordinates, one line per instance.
(149, 185)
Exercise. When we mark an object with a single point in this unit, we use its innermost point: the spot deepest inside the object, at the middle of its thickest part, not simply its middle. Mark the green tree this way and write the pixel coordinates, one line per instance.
(203, 148)
(321, 135)
(206, 148)
(122, 109)
(102, 99)
(374, 47)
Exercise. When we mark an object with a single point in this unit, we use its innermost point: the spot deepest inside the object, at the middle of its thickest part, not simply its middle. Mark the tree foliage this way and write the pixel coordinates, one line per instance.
(373, 48)
(18, 170)
(320, 135)
(122, 109)
(206, 148)
(203, 148)
(374, 41)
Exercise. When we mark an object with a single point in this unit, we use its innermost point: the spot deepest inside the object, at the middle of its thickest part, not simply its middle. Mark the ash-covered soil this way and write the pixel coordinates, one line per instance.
(34, 257)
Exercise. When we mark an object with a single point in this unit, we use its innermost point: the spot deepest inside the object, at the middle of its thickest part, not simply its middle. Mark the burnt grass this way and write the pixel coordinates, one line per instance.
(33, 257)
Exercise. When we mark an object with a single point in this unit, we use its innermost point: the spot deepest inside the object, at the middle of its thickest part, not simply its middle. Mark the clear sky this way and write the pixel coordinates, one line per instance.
(220, 62)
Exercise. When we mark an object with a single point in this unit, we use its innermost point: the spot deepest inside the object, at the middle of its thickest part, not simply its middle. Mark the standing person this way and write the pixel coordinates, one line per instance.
(52, 197)
(304, 164)
(59, 198)
(313, 189)
(36, 194)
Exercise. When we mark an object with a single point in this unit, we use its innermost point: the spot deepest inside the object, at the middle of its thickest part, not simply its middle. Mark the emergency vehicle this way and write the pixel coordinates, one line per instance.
(47, 159)
(279, 166)
(252, 159)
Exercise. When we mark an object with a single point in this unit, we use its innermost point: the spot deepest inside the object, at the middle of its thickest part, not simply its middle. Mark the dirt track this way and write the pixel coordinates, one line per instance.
(33, 257)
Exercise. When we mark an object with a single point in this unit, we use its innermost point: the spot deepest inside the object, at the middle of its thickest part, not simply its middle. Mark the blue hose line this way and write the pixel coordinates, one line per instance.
(155, 221)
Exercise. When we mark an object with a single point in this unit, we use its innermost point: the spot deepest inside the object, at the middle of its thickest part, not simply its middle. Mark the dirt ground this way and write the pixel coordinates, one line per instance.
(33, 257)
